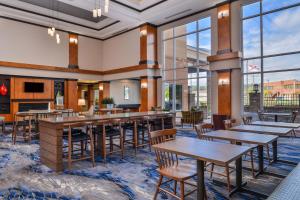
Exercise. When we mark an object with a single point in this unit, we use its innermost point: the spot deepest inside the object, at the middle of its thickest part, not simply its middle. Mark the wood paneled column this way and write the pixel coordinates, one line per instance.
(71, 98)
(148, 93)
(148, 44)
(224, 92)
(104, 91)
(73, 51)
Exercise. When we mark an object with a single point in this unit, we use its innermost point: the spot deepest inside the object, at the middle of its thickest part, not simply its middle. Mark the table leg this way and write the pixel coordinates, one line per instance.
(135, 136)
(260, 152)
(238, 164)
(276, 118)
(274, 146)
(102, 143)
(200, 180)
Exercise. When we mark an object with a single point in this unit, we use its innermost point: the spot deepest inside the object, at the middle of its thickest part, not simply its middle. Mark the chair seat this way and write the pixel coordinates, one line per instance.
(179, 173)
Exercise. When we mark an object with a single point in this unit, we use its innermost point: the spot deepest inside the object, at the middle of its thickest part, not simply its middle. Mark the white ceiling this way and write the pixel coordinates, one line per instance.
(120, 17)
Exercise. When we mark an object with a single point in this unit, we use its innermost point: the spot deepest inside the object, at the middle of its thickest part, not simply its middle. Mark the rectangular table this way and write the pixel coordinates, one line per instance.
(276, 115)
(251, 138)
(276, 124)
(269, 130)
(207, 151)
(51, 131)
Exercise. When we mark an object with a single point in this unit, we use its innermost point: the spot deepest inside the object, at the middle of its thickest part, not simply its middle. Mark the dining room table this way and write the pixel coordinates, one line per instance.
(276, 124)
(240, 138)
(207, 151)
(51, 131)
(276, 115)
(268, 130)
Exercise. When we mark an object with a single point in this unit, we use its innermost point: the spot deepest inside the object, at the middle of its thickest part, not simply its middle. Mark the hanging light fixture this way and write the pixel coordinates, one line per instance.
(106, 6)
(57, 38)
(97, 11)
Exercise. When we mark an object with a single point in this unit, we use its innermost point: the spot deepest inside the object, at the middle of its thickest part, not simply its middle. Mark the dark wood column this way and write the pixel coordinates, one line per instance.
(104, 91)
(148, 44)
(71, 98)
(224, 92)
(73, 51)
(148, 93)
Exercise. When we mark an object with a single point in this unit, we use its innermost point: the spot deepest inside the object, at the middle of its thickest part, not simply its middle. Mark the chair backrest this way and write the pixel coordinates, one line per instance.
(164, 159)
(227, 124)
(247, 120)
(294, 115)
(201, 129)
(260, 115)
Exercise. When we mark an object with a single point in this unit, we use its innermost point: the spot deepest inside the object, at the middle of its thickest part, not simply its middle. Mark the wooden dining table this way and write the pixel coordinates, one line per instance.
(276, 124)
(207, 151)
(276, 115)
(250, 138)
(269, 130)
(51, 132)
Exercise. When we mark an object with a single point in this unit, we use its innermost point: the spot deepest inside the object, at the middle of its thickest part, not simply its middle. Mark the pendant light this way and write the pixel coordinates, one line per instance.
(97, 11)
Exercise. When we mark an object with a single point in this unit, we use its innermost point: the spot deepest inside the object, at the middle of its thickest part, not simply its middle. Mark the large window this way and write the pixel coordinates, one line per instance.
(186, 81)
(271, 55)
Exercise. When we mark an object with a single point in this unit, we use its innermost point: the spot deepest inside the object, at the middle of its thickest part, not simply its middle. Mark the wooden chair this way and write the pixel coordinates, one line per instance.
(191, 117)
(247, 120)
(228, 125)
(112, 129)
(169, 166)
(293, 117)
(23, 121)
(82, 137)
(2, 122)
(201, 129)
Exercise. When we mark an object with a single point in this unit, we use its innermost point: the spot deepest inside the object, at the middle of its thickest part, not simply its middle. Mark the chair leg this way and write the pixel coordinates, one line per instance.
(175, 187)
(181, 190)
(212, 170)
(252, 163)
(228, 178)
(158, 186)
(92, 149)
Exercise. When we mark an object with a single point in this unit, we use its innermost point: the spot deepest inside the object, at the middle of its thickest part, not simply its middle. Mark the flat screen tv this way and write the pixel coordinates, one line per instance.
(33, 87)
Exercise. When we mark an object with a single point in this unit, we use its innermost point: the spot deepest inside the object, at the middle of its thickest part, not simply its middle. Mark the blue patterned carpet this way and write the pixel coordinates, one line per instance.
(22, 176)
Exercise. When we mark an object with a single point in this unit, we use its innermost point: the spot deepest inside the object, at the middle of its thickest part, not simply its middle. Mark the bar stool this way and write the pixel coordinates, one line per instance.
(109, 130)
(2, 121)
(79, 133)
(25, 122)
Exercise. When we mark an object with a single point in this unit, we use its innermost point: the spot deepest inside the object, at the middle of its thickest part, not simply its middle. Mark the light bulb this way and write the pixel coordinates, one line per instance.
(52, 33)
(99, 12)
(95, 13)
(53, 29)
(57, 40)
(49, 31)
(57, 36)
(106, 2)
(106, 8)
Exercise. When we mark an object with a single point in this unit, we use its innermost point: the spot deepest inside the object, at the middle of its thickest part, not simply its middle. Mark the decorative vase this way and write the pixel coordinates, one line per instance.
(3, 90)
(109, 106)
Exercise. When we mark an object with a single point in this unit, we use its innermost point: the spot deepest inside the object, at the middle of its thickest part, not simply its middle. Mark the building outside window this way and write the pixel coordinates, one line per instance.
(185, 74)
(271, 55)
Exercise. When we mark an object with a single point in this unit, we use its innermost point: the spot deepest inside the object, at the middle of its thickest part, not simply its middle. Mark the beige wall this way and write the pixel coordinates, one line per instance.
(90, 53)
(117, 91)
(122, 50)
(25, 43)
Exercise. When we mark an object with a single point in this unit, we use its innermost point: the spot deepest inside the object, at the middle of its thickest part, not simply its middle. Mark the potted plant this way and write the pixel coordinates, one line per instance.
(109, 102)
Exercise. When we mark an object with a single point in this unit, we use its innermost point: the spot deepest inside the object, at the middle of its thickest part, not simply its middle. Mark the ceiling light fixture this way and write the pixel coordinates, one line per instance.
(51, 30)
(97, 11)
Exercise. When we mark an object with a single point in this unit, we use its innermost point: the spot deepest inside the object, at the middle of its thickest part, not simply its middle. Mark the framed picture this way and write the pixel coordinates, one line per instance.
(126, 92)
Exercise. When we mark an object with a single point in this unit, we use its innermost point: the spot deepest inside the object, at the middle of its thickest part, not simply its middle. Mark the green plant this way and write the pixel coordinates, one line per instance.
(108, 100)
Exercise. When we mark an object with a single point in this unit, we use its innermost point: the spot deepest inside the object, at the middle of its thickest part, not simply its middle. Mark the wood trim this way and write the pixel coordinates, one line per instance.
(224, 92)
(224, 29)
(79, 71)
(226, 56)
(73, 52)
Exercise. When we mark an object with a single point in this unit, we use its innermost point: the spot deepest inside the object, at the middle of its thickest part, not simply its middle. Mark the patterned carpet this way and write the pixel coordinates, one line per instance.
(22, 176)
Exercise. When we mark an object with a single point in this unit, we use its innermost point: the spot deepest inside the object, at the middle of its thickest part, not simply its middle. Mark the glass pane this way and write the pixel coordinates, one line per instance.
(252, 89)
(251, 9)
(251, 66)
(192, 72)
(275, 4)
(182, 95)
(192, 96)
(168, 33)
(187, 28)
(204, 23)
(204, 45)
(168, 54)
(282, 90)
(186, 51)
(282, 62)
(168, 75)
(167, 88)
(251, 37)
(281, 31)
